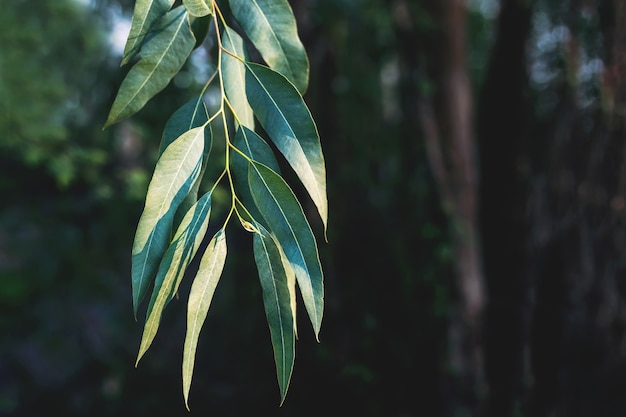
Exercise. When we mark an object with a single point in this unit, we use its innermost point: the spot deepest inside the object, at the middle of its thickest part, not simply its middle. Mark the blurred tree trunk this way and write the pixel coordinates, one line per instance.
(446, 121)
(578, 339)
(502, 121)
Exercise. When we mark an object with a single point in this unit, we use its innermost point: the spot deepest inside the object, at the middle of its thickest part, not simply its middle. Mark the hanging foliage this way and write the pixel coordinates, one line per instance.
(175, 219)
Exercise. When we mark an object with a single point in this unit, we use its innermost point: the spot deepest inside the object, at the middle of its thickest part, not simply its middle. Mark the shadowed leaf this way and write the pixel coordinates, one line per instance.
(283, 214)
(277, 303)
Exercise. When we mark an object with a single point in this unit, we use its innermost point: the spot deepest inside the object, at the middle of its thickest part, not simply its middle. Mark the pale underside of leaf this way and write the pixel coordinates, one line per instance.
(162, 57)
(277, 303)
(175, 172)
(192, 114)
(234, 75)
(286, 221)
(200, 296)
(288, 122)
(173, 265)
(199, 8)
(272, 28)
(145, 14)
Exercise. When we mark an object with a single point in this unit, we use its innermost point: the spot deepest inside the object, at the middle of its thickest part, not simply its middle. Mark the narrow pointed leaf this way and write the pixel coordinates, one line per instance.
(234, 75)
(277, 303)
(286, 221)
(190, 115)
(199, 8)
(200, 296)
(271, 26)
(174, 175)
(173, 265)
(145, 14)
(291, 285)
(162, 56)
(285, 117)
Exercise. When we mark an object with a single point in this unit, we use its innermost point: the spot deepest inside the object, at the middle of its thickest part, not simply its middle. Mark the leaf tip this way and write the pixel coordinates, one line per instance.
(186, 395)
(142, 350)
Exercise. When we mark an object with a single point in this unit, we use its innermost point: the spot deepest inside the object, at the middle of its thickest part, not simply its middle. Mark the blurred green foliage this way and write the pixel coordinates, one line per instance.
(49, 63)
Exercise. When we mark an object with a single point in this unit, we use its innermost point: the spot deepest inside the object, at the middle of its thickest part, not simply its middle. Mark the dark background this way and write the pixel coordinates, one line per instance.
(476, 255)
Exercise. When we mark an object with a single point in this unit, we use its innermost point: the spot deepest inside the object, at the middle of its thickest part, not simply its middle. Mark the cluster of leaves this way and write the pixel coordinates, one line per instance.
(175, 219)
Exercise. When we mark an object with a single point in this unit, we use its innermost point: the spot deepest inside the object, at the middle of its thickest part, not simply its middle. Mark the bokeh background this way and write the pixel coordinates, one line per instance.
(476, 255)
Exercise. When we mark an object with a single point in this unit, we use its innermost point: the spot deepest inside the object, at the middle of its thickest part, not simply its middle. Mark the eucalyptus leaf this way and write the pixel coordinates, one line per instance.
(181, 251)
(277, 302)
(191, 114)
(271, 26)
(253, 146)
(174, 175)
(200, 296)
(234, 75)
(162, 57)
(199, 8)
(200, 28)
(145, 14)
(285, 117)
(283, 214)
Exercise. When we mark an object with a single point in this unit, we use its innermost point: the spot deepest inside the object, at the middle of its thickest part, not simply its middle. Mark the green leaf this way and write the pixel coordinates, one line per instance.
(291, 285)
(199, 8)
(277, 302)
(271, 26)
(192, 197)
(200, 28)
(162, 56)
(234, 75)
(288, 122)
(173, 265)
(174, 175)
(145, 14)
(253, 146)
(200, 296)
(286, 221)
(190, 115)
